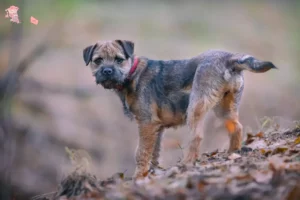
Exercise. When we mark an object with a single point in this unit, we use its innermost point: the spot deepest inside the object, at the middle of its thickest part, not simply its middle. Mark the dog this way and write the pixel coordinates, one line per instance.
(160, 94)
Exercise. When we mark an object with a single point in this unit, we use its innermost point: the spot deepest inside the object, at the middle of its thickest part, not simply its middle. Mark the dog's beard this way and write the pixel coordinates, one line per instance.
(110, 82)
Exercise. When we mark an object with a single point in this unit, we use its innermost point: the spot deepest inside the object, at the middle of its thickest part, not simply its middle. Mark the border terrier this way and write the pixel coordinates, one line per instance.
(160, 94)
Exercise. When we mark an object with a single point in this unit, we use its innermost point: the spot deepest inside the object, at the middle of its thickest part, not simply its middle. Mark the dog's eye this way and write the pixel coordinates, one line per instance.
(119, 60)
(98, 61)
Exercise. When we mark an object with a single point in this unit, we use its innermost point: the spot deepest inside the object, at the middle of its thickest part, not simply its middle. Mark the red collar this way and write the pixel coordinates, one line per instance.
(131, 71)
(133, 68)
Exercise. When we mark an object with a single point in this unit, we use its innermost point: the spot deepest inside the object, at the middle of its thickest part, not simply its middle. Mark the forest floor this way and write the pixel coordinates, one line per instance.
(267, 167)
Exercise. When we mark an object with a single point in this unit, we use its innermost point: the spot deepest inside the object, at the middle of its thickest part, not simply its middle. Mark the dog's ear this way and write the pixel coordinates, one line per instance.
(88, 53)
(127, 46)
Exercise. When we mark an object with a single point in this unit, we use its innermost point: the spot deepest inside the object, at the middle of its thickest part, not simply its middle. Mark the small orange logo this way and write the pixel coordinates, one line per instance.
(34, 20)
(12, 13)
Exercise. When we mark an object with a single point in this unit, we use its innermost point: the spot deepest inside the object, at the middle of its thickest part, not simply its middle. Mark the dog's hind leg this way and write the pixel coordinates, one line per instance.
(227, 110)
(201, 101)
(195, 122)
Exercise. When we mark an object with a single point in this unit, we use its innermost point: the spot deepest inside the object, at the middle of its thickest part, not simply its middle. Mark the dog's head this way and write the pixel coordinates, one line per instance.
(110, 61)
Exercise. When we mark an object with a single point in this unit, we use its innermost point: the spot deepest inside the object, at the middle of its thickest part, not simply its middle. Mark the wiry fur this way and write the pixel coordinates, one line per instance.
(163, 94)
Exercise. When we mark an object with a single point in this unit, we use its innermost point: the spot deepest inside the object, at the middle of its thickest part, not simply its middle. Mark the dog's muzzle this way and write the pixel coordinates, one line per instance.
(106, 73)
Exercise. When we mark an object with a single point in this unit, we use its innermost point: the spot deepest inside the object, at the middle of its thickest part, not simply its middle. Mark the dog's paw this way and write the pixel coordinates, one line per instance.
(140, 175)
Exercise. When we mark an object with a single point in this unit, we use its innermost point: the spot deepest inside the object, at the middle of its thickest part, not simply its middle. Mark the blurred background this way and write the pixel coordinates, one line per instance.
(49, 100)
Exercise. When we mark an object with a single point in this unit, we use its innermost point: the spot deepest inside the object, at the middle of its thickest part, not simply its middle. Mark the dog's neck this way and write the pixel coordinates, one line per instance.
(133, 68)
(130, 85)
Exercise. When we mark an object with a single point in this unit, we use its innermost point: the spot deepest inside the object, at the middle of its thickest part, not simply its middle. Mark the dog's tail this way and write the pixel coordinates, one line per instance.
(246, 62)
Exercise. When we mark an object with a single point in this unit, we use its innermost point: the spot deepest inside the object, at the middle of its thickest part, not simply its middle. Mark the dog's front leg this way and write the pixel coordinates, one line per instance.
(145, 149)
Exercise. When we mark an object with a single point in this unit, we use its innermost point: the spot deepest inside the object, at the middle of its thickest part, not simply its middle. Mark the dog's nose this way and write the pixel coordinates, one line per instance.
(107, 71)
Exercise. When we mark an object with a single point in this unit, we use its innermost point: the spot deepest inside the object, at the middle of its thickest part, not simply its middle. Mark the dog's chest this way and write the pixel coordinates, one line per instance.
(131, 102)
(170, 111)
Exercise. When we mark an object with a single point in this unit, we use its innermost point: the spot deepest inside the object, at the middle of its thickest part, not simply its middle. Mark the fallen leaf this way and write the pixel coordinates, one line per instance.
(268, 153)
(234, 156)
(293, 151)
(249, 138)
(260, 135)
(34, 20)
(214, 152)
(279, 150)
(262, 151)
(297, 140)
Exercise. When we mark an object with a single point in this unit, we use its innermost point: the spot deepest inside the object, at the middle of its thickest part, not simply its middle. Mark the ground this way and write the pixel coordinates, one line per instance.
(267, 167)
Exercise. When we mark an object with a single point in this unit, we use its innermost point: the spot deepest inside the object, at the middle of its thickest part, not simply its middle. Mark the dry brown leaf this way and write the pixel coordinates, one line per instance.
(249, 139)
(214, 152)
(260, 135)
(293, 151)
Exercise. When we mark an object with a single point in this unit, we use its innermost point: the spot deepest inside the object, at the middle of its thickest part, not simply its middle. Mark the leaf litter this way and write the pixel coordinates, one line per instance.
(267, 170)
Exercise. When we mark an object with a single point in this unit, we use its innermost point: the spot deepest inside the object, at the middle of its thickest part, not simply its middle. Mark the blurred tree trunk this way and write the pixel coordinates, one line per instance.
(12, 137)
(8, 85)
